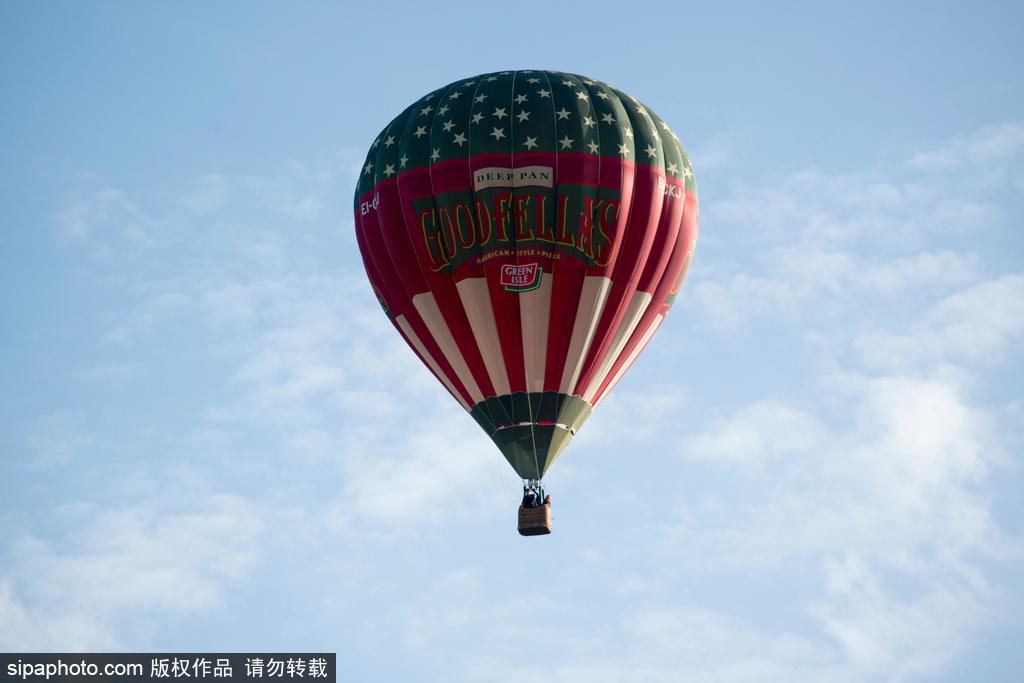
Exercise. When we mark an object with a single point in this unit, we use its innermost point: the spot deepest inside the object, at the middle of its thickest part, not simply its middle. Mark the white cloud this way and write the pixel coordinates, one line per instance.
(423, 469)
(110, 372)
(926, 269)
(300, 193)
(720, 152)
(731, 301)
(114, 226)
(892, 498)
(58, 439)
(977, 324)
(990, 145)
(816, 241)
(764, 430)
(871, 490)
(632, 414)
(650, 644)
(900, 639)
(313, 363)
(899, 470)
(105, 221)
(208, 193)
(120, 566)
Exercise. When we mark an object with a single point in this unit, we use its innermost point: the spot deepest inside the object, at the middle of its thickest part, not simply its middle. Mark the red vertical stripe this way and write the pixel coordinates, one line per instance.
(387, 284)
(404, 236)
(639, 233)
(668, 285)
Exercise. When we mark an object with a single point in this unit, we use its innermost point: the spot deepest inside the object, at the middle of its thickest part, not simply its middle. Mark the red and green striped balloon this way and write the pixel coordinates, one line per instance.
(526, 232)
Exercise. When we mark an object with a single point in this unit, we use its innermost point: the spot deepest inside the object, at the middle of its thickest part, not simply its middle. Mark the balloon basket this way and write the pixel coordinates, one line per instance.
(535, 521)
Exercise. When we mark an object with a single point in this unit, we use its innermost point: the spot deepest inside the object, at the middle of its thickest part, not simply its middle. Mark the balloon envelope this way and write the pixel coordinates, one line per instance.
(526, 233)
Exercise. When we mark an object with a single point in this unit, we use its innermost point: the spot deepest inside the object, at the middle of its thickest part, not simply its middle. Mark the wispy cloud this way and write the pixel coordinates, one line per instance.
(854, 503)
(882, 472)
(110, 372)
(977, 325)
(107, 222)
(992, 147)
(117, 567)
(819, 239)
(766, 430)
(883, 634)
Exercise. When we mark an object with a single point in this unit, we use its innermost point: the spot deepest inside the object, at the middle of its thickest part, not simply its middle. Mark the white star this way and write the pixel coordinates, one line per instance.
(478, 117)
(459, 139)
(455, 95)
(443, 110)
(435, 155)
(368, 167)
(603, 95)
(593, 147)
(687, 173)
(587, 121)
(566, 142)
(589, 82)
(665, 126)
(480, 98)
(628, 132)
(403, 161)
(640, 110)
(520, 98)
(426, 110)
(499, 112)
(491, 78)
(581, 95)
(389, 170)
(672, 168)
(533, 80)
(607, 118)
(523, 116)
(563, 113)
(428, 97)
(544, 93)
(448, 125)
(623, 150)
(652, 151)
(390, 141)
(420, 131)
(375, 143)
(568, 83)
(530, 142)
(468, 83)
(498, 133)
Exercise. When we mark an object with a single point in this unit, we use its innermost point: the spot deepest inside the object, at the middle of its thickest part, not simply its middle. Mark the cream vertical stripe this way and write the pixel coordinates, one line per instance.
(476, 299)
(632, 356)
(410, 334)
(592, 298)
(534, 314)
(635, 311)
(427, 307)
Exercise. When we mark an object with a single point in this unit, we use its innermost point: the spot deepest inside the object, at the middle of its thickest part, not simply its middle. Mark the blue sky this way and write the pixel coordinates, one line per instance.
(205, 432)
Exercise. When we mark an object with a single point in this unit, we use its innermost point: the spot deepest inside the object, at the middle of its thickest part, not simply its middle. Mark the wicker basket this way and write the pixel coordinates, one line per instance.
(535, 521)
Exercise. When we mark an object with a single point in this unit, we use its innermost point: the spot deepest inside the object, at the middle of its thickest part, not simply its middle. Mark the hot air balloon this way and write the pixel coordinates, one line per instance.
(526, 232)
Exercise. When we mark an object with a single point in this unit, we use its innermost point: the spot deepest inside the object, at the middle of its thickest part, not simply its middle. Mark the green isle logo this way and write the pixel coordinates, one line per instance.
(521, 278)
